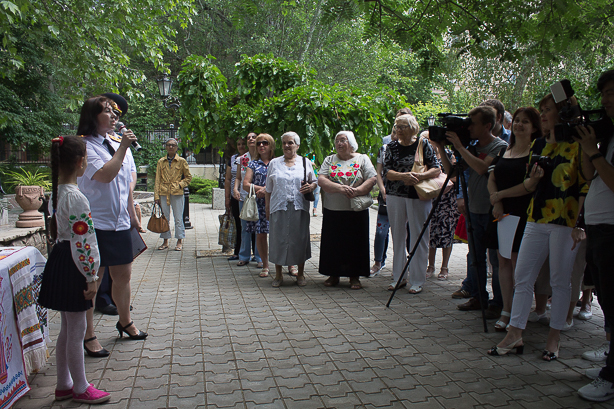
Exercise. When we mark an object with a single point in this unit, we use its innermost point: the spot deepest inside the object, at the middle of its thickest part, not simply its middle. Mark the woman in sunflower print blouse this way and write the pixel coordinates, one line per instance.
(344, 247)
(552, 215)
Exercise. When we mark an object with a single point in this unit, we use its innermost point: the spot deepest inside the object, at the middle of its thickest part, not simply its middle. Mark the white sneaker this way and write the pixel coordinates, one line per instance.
(598, 355)
(535, 317)
(567, 326)
(585, 315)
(599, 390)
(593, 373)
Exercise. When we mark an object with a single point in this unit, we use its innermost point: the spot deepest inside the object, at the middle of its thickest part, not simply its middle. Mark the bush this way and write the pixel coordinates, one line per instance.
(202, 186)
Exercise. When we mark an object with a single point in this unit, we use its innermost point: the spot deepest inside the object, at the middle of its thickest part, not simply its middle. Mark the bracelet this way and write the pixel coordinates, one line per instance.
(595, 156)
(525, 186)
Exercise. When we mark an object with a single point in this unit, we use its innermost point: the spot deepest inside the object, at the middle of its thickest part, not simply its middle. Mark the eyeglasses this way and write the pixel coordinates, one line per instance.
(171, 145)
(262, 143)
(401, 127)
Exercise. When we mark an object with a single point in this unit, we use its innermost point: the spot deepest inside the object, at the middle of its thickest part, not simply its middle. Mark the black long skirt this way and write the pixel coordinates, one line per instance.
(344, 246)
(63, 284)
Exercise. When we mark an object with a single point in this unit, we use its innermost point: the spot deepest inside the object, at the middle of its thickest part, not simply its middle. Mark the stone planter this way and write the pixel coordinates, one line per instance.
(29, 198)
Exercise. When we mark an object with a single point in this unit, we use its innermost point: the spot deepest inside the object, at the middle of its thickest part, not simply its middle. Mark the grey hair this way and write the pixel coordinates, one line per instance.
(294, 135)
(508, 117)
(351, 139)
(171, 139)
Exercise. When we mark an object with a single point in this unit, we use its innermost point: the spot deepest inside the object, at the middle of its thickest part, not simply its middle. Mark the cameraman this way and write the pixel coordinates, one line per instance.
(483, 120)
(599, 217)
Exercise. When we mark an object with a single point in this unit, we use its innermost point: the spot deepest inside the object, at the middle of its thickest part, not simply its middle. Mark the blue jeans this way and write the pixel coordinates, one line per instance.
(477, 275)
(316, 194)
(380, 244)
(246, 241)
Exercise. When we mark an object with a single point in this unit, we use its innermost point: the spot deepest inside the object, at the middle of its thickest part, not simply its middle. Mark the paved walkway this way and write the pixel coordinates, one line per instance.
(220, 336)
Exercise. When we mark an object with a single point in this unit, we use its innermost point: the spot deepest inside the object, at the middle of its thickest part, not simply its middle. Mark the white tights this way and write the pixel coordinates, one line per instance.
(69, 352)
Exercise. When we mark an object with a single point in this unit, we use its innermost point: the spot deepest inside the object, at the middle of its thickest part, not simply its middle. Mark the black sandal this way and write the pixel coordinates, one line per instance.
(94, 354)
(121, 330)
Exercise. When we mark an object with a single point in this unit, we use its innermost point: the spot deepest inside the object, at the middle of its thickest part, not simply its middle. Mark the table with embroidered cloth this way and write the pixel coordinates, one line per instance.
(24, 332)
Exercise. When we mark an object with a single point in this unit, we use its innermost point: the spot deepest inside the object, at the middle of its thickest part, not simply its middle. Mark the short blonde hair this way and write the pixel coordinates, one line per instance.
(408, 120)
(269, 138)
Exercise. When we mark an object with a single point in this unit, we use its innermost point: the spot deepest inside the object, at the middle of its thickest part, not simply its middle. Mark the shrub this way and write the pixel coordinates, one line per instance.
(202, 186)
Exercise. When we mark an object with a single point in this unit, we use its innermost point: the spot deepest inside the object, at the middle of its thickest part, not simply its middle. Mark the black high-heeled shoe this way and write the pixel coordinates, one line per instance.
(94, 354)
(121, 330)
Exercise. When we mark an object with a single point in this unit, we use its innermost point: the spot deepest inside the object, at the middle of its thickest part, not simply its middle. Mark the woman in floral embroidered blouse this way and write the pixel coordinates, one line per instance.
(552, 215)
(344, 246)
(402, 200)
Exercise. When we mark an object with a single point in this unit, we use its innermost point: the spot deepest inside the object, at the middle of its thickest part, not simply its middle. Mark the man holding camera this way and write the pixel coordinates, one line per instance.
(599, 218)
(483, 120)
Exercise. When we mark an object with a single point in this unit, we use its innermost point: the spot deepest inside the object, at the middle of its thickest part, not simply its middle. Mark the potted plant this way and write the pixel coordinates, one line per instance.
(29, 192)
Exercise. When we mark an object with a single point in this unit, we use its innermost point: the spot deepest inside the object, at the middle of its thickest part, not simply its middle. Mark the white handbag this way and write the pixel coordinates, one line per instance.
(250, 207)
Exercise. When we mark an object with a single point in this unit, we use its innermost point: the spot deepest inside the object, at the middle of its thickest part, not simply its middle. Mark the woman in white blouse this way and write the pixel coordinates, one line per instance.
(287, 209)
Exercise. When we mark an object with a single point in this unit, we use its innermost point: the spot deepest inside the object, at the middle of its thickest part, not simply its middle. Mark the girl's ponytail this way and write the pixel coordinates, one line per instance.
(65, 152)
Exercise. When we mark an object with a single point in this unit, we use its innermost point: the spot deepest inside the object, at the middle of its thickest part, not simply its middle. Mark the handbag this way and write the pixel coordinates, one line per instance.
(363, 202)
(157, 224)
(308, 196)
(382, 209)
(250, 207)
(428, 189)
(228, 231)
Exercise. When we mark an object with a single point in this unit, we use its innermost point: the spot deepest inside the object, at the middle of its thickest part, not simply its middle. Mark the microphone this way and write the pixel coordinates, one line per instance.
(120, 128)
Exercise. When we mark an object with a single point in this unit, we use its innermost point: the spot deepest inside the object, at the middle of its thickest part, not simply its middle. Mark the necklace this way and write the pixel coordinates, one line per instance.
(514, 154)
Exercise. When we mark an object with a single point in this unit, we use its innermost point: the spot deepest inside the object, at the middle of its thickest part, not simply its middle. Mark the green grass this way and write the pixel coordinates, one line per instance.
(196, 198)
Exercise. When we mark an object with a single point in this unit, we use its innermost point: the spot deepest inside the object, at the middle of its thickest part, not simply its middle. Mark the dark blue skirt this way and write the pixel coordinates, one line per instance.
(115, 247)
(63, 284)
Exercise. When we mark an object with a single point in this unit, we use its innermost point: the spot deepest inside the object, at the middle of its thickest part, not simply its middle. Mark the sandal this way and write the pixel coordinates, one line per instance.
(501, 326)
(264, 273)
(551, 356)
(375, 270)
(401, 285)
(443, 274)
(163, 247)
(276, 283)
(242, 263)
(429, 271)
(415, 289)
(260, 265)
(301, 281)
(178, 247)
(355, 284)
(331, 281)
(293, 271)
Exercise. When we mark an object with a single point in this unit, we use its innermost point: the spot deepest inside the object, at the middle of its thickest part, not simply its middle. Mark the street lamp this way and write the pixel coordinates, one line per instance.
(431, 120)
(165, 85)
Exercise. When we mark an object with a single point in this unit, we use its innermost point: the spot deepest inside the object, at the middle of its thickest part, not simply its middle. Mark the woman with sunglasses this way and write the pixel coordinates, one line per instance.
(256, 177)
(288, 210)
(172, 176)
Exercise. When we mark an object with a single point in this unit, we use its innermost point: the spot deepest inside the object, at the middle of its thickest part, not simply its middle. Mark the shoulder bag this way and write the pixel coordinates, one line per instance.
(427, 189)
(250, 207)
(308, 196)
(157, 222)
(363, 202)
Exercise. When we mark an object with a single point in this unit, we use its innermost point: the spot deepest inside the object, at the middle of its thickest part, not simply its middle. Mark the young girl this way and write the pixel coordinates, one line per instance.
(69, 279)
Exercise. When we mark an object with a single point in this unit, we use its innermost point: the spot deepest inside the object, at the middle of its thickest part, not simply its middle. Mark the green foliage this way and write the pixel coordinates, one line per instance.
(202, 187)
(96, 42)
(202, 92)
(24, 177)
(263, 76)
(149, 155)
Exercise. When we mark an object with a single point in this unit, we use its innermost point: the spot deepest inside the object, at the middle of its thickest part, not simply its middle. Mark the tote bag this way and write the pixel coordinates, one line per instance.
(427, 189)
(250, 207)
(228, 231)
(157, 222)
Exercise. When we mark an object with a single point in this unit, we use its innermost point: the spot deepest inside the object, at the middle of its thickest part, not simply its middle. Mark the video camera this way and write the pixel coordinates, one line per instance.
(572, 115)
(458, 123)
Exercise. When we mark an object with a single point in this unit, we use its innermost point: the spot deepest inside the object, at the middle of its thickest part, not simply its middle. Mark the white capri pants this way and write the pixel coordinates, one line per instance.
(413, 211)
(539, 241)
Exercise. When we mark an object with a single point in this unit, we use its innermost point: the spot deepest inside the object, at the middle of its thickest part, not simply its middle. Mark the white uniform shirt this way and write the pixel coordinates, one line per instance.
(598, 203)
(108, 201)
(283, 183)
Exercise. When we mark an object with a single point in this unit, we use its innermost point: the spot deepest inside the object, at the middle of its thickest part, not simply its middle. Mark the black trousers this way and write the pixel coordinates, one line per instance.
(234, 208)
(600, 262)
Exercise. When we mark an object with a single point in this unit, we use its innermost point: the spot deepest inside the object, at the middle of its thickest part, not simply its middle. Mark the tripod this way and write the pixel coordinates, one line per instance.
(458, 170)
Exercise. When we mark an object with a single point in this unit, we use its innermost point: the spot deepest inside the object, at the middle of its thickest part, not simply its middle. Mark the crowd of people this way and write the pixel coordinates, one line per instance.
(538, 209)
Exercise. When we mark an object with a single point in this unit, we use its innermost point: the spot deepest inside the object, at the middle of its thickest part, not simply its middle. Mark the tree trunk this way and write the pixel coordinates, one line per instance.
(314, 22)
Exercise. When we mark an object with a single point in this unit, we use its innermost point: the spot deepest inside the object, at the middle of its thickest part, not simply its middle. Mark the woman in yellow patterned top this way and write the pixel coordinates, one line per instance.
(556, 183)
